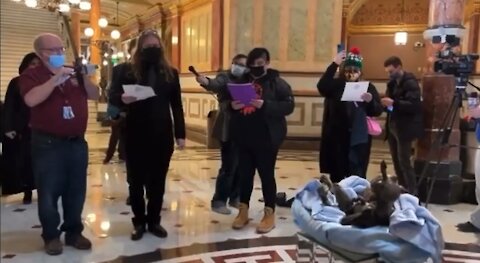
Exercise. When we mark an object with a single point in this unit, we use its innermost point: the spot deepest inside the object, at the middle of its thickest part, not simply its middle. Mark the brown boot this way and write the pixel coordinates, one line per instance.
(53, 247)
(242, 218)
(268, 221)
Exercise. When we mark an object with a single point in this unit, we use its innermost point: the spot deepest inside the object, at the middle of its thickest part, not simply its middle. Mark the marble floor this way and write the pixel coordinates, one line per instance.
(195, 233)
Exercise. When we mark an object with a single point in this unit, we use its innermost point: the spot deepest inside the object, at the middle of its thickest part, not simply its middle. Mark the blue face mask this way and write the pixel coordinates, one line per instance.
(56, 61)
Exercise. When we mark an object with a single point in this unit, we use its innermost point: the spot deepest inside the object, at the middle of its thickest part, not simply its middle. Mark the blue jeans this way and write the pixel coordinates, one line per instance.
(227, 185)
(60, 169)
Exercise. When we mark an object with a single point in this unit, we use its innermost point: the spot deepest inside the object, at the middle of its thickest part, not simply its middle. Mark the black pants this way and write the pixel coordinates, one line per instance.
(147, 166)
(117, 137)
(263, 159)
(359, 157)
(401, 151)
(227, 185)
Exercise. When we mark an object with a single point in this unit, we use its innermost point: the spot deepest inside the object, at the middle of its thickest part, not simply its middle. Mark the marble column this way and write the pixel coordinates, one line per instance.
(438, 93)
(95, 56)
(217, 34)
(473, 34)
(76, 30)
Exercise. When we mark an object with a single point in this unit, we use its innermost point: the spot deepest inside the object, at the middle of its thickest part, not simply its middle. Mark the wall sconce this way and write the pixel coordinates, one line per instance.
(401, 38)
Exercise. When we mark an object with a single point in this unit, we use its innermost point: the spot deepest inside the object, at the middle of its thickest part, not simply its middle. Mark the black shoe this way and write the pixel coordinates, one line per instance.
(137, 233)
(27, 197)
(128, 201)
(158, 231)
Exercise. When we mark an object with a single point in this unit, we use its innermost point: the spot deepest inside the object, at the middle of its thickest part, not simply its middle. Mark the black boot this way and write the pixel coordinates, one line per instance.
(137, 232)
(138, 229)
(157, 230)
(27, 197)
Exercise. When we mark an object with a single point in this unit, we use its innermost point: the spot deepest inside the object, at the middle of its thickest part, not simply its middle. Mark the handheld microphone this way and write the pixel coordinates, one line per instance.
(192, 69)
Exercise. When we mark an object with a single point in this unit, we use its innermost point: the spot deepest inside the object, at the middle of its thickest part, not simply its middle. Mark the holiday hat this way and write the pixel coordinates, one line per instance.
(354, 59)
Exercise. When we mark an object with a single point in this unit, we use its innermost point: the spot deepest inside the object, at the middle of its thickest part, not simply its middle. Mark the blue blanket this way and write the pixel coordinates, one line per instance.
(402, 243)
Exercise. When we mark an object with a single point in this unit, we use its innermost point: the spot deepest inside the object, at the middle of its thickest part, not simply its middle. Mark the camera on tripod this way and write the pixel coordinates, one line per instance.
(448, 60)
(452, 63)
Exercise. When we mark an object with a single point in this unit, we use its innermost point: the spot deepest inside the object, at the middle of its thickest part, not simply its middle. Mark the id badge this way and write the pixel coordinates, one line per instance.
(68, 113)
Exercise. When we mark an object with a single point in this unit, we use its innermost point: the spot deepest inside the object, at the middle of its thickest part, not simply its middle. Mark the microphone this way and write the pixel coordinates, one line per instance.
(192, 69)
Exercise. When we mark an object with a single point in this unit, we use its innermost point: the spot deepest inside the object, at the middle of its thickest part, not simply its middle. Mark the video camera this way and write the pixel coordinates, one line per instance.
(448, 61)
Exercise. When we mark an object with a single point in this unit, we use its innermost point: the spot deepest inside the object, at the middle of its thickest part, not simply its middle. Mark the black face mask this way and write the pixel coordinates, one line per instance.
(151, 55)
(257, 71)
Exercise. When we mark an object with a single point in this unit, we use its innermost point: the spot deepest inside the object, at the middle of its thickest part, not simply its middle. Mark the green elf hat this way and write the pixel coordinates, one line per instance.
(354, 59)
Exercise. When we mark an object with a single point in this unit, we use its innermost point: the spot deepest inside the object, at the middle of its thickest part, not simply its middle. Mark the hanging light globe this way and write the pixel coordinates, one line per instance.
(103, 22)
(115, 34)
(89, 32)
(85, 5)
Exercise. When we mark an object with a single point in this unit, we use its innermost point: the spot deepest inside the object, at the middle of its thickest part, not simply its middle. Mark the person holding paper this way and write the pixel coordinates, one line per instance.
(259, 129)
(345, 144)
(150, 130)
(226, 187)
(403, 103)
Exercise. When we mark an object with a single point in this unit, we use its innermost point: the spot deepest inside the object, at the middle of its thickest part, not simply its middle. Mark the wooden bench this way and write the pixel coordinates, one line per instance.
(307, 248)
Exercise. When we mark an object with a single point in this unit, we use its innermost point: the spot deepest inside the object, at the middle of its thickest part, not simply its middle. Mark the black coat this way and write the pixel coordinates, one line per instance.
(151, 119)
(337, 122)
(407, 115)
(278, 103)
(17, 173)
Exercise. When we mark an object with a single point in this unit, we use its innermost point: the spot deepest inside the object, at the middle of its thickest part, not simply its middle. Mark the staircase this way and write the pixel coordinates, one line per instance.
(19, 25)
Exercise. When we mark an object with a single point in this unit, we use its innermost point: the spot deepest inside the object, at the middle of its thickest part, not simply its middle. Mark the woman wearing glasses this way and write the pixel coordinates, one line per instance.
(345, 145)
(150, 131)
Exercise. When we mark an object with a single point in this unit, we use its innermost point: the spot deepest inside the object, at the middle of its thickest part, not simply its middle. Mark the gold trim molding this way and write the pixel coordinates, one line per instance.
(385, 29)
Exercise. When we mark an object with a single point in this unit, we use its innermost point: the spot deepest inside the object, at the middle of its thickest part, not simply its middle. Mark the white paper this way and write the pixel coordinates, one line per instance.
(354, 91)
(138, 91)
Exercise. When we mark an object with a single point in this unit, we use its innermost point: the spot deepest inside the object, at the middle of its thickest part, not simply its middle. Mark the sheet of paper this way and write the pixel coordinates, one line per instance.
(138, 91)
(244, 93)
(354, 90)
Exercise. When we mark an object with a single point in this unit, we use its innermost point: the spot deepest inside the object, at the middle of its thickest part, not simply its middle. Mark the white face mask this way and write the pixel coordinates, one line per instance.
(238, 70)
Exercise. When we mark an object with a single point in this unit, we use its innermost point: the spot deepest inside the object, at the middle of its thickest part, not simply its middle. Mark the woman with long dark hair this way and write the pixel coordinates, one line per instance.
(17, 176)
(346, 143)
(149, 130)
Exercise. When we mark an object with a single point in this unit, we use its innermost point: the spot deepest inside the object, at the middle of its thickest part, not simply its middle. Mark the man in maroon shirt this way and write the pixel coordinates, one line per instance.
(59, 113)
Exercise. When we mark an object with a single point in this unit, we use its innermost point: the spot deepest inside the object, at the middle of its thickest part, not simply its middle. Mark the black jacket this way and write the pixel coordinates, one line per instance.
(337, 122)
(407, 116)
(154, 113)
(278, 103)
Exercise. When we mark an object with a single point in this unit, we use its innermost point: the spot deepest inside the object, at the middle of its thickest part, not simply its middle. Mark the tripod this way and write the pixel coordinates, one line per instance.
(441, 140)
(440, 143)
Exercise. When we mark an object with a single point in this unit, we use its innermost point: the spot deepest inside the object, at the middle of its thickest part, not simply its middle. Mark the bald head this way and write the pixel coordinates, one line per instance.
(46, 45)
(46, 41)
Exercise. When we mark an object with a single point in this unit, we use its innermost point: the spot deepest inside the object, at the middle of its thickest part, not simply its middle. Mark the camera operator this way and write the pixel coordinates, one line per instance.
(58, 119)
(474, 224)
(404, 120)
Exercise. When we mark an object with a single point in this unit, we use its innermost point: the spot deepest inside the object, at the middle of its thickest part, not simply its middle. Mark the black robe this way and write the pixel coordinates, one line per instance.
(337, 123)
(17, 174)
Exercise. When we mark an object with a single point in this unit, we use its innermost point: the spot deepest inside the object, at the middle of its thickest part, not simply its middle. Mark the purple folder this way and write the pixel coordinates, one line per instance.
(244, 93)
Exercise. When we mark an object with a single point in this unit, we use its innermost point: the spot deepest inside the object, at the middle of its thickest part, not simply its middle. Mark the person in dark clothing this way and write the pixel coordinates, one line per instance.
(403, 102)
(150, 130)
(258, 130)
(18, 138)
(117, 117)
(345, 145)
(226, 187)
